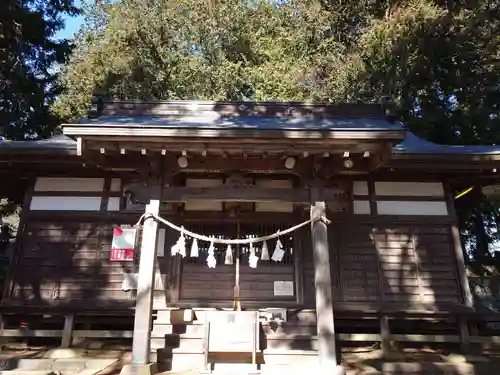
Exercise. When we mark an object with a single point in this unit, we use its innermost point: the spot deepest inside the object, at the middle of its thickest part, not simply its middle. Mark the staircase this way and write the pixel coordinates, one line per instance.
(177, 343)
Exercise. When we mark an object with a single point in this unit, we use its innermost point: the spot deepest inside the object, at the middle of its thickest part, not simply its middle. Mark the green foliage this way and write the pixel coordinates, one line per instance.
(438, 61)
(28, 53)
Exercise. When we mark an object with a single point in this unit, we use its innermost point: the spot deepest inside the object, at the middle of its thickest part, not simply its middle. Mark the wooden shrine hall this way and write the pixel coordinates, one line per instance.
(269, 234)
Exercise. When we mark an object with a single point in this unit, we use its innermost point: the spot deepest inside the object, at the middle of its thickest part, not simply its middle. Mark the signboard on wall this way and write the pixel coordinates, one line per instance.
(123, 245)
(283, 288)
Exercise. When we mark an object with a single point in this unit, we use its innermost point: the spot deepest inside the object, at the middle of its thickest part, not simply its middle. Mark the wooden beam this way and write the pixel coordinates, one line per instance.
(351, 337)
(250, 194)
(31, 333)
(359, 337)
(104, 334)
(425, 338)
(145, 282)
(323, 286)
(230, 194)
(79, 146)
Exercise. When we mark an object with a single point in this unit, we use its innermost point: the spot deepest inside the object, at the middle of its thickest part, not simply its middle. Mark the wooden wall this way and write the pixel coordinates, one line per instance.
(403, 198)
(412, 265)
(76, 194)
(68, 260)
(375, 259)
(61, 260)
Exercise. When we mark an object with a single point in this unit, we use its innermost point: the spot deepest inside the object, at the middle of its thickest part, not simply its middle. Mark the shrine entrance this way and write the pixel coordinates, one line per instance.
(242, 276)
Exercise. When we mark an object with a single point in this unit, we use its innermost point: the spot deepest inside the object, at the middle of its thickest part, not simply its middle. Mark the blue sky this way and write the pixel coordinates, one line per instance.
(72, 24)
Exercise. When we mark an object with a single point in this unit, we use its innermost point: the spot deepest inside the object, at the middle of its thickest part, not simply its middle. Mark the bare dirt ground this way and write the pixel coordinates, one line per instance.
(367, 360)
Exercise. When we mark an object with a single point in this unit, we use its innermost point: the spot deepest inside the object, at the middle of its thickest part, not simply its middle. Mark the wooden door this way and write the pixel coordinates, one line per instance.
(199, 284)
(202, 286)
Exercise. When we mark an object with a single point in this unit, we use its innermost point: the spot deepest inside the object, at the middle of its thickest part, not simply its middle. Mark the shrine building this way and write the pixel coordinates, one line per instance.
(304, 227)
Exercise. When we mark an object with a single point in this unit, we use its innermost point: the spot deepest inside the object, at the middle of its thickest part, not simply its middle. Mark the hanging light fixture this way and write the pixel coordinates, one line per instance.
(290, 162)
(348, 163)
(182, 161)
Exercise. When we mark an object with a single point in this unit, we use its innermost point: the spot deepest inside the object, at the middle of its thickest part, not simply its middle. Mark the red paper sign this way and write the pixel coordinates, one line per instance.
(123, 245)
(117, 255)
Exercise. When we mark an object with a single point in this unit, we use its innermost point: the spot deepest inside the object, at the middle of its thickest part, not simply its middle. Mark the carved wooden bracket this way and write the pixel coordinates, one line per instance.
(238, 180)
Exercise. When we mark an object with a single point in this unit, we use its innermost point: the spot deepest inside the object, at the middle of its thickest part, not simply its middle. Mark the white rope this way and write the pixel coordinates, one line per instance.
(239, 241)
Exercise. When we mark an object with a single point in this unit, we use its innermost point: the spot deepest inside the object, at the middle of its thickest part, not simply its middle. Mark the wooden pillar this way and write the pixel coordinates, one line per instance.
(67, 331)
(323, 287)
(467, 297)
(145, 283)
(385, 335)
(457, 245)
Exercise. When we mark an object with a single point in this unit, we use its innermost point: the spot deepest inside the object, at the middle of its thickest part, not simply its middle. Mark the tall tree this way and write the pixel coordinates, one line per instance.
(29, 54)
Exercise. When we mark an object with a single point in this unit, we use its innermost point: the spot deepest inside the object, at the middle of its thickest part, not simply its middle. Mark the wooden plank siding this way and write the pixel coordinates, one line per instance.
(66, 261)
(63, 260)
(411, 265)
(69, 261)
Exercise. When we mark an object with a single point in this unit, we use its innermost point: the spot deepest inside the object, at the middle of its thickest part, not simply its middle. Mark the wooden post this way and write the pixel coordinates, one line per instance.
(385, 335)
(323, 286)
(459, 254)
(145, 283)
(462, 271)
(67, 331)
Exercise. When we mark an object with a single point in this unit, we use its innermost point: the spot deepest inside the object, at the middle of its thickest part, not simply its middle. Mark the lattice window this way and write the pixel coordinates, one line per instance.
(246, 230)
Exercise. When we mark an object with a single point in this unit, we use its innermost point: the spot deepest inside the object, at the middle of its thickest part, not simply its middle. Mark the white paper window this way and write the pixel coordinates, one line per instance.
(65, 203)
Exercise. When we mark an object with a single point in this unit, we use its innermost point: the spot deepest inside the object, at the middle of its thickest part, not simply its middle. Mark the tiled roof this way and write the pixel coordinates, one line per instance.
(57, 144)
(416, 145)
(214, 120)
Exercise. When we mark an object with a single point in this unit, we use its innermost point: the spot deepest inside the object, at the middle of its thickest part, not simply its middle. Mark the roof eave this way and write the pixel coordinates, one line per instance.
(35, 151)
(414, 156)
(152, 131)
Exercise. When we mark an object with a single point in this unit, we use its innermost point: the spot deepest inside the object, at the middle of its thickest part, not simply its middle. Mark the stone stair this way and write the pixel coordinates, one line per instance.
(177, 342)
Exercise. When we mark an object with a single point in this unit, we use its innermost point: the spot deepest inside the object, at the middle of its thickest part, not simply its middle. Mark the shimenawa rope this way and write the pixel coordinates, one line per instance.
(238, 241)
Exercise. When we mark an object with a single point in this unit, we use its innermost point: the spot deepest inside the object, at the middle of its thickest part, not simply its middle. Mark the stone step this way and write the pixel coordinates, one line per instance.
(181, 342)
(270, 359)
(179, 316)
(167, 354)
(198, 329)
(176, 345)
